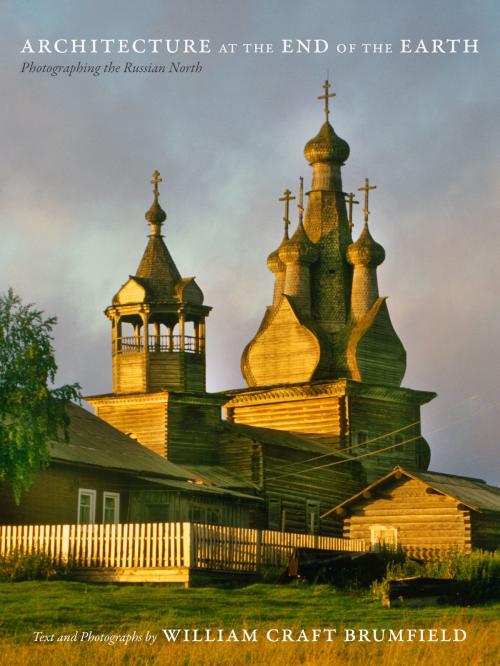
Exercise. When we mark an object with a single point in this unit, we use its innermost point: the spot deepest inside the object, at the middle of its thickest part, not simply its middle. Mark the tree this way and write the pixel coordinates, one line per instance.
(31, 413)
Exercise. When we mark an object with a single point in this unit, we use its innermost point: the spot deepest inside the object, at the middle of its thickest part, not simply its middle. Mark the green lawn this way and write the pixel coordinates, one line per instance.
(62, 606)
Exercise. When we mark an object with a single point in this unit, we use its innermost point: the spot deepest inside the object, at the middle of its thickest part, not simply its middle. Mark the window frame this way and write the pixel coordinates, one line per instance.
(313, 509)
(376, 542)
(116, 497)
(93, 496)
(276, 502)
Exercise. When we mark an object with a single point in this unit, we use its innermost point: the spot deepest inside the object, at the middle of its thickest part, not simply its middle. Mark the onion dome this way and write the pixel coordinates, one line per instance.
(155, 214)
(274, 262)
(326, 146)
(365, 251)
(299, 249)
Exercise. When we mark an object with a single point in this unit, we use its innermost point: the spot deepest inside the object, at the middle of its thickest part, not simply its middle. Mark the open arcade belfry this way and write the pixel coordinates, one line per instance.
(323, 371)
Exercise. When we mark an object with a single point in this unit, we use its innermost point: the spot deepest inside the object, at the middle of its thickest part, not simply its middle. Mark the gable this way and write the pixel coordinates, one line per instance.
(283, 352)
(131, 292)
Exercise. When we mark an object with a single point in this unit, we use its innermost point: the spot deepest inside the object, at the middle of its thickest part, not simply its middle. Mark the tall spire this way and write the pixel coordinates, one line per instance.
(156, 264)
(156, 216)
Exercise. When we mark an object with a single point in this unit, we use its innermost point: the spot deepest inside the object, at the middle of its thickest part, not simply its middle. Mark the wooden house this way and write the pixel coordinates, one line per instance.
(426, 513)
(102, 476)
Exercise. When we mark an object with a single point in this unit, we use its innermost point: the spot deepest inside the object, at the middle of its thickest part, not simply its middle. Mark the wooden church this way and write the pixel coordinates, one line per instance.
(323, 413)
(323, 440)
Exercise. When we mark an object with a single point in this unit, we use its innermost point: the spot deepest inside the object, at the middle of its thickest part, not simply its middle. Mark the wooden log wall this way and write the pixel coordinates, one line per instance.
(295, 485)
(378, 417)
(192, 424)
(322, 417)
(145, 420)
(423, 520)
(485, 530)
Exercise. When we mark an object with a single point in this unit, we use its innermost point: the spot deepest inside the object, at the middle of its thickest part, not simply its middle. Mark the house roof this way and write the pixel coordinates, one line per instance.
(474, 493)
(94, 442)
(189, 486)
(219, 476)
(282, 438)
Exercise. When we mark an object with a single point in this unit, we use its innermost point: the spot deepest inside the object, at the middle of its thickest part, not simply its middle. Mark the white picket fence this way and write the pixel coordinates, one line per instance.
(165, 545)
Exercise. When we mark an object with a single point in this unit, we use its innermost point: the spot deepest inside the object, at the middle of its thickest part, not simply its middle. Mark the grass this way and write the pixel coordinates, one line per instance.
(61, 607)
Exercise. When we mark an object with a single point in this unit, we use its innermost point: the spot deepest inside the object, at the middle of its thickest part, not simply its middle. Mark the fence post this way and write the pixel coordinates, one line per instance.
(186, 538)
(65, 544)
(258, 550)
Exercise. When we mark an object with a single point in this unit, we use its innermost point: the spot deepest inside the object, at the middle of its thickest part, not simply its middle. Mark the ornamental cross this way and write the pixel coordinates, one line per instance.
(351, 200)
(156, 180)
(300, 205)
(326, 87)
(366, 189)
(287, 197)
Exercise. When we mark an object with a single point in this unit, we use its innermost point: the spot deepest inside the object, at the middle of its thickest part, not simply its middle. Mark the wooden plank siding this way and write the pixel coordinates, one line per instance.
(143, 419)
(423, 520)
(53, 497)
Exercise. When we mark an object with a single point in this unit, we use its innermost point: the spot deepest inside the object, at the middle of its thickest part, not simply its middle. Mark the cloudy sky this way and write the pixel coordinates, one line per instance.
(77, 154)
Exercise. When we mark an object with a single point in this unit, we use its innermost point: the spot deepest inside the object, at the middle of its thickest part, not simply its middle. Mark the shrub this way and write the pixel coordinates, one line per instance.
(17, 566)
(477, 572)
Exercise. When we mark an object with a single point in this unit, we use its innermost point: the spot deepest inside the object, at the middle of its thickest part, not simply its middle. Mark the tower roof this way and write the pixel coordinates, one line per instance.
(326, 146)
(298, 249)
(157, 270)
(365, 251)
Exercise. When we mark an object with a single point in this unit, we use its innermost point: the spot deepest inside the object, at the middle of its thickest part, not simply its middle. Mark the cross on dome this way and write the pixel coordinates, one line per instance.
(287, 197)
(366, 189)
(300, 205)
(326, 87)
(350, 201)
(156, 180)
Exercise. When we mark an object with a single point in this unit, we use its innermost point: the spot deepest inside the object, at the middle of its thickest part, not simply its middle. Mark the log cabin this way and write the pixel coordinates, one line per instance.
(424, 513)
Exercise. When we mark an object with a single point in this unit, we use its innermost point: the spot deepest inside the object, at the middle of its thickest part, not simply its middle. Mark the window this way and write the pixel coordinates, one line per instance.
(110, 508)
(312, 517)
(382, 535)
(361, 438)
(274, 513)
(214, 516)
(197, 513)
(86, 506)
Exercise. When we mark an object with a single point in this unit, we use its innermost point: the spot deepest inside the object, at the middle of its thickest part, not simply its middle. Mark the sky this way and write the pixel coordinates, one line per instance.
(78, 153)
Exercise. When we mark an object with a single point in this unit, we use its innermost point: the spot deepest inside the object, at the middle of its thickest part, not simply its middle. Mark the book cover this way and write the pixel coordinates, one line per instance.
(218, 100)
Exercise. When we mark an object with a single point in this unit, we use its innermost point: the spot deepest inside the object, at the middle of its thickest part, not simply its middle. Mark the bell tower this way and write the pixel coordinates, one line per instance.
(158, 356)
(158, 321)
